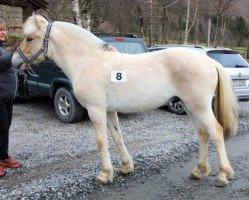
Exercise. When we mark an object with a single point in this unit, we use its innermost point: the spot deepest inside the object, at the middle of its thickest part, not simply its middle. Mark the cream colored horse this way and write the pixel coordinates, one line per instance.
(106, 82)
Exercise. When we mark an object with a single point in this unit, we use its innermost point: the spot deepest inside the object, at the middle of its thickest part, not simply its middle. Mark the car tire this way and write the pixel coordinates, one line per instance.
(175, 106)
(67, 108)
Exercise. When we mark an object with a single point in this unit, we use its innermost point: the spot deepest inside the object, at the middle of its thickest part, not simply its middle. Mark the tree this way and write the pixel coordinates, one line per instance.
(76, 12)
(241, 30)
(221, 6)
(188, 28)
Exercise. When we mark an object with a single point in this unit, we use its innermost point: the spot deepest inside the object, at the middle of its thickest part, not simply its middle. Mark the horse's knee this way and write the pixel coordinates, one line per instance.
(101, 143)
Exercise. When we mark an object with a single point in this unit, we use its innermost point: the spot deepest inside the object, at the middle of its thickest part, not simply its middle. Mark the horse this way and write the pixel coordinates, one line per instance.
(106, 82)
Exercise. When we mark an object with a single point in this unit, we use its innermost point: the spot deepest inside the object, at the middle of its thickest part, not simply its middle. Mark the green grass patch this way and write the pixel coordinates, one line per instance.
(16, 35)
(241, 50)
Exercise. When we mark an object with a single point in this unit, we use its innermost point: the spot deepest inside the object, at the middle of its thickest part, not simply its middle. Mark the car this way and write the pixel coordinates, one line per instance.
(48, 79)
(234, 63)
(129, 44)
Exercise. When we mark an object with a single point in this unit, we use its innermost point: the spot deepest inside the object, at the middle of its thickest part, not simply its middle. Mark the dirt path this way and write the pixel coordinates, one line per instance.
(171, 182)
(61, 161)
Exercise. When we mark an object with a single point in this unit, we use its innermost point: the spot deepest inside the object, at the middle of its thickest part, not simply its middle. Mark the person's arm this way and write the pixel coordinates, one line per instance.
(5, 61)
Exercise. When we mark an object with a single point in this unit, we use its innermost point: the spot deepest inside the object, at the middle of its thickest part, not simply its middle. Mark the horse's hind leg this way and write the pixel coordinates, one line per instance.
(207, 125)
(225, 168)
(98, 118)
(202, 167)
(113, 124)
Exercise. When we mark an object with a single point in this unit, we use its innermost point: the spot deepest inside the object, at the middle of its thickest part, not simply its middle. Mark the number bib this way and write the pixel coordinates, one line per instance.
(118, 76)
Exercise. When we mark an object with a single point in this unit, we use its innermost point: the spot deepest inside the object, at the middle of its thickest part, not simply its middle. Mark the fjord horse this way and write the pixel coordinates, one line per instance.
(106, 82)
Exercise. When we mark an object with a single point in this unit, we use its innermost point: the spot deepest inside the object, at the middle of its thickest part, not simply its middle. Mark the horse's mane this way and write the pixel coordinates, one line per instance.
(88, 36)
(31, 25)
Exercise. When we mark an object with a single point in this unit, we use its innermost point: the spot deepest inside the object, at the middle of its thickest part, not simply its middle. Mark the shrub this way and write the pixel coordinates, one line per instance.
(14, 40)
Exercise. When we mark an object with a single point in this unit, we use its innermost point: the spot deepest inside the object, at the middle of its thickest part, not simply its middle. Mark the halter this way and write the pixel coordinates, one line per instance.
(43, 49)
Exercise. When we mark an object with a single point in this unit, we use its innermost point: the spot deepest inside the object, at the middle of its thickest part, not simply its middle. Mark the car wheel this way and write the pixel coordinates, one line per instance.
(67, 108)
(175, 106)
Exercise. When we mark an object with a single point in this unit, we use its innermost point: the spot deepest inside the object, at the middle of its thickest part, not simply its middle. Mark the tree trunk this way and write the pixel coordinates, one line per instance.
(164, 21)
(197, 26)
(187, 23)
(87, 22)
(222, 29)
(150, 25)
(188, 28)
(217, 22)
(76, 12)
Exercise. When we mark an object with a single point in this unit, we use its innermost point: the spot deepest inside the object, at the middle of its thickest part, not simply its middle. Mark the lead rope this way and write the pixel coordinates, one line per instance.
(31, 72)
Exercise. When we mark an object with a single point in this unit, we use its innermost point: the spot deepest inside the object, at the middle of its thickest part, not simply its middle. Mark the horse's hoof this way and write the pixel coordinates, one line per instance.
(104, 178)
(127, 168)
(122, 173)
(194, 176)
(221, 183)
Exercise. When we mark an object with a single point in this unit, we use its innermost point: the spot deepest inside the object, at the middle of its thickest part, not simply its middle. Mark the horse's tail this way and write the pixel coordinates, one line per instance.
(226, 103)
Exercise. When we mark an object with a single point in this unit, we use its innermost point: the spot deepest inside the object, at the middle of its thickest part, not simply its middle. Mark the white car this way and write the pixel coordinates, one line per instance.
(235, 64)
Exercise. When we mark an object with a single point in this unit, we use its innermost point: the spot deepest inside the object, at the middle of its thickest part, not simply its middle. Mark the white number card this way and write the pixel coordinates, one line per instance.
(118, 76)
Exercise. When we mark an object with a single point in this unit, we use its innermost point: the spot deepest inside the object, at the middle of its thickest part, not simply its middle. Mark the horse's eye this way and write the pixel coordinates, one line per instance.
(29, 39)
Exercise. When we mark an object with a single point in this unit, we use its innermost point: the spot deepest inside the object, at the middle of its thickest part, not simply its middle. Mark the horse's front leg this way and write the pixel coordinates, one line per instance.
(98, 118)
(113, 124)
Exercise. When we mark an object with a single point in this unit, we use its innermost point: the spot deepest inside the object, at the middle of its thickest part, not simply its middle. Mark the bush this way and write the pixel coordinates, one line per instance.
(14, 40)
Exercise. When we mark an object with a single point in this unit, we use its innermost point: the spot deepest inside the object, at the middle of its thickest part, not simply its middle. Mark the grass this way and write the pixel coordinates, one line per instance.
(241, 50)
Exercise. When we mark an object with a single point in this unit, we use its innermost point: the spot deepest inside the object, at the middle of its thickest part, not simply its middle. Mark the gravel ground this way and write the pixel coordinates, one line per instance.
(61, 161)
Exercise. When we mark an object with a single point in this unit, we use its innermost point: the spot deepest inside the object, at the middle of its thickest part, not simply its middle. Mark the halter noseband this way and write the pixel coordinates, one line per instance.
(43, 49)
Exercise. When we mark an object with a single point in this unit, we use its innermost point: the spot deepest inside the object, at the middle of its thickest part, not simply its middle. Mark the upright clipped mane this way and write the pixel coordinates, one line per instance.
(30, 26)
(88, 36)
(81, 32)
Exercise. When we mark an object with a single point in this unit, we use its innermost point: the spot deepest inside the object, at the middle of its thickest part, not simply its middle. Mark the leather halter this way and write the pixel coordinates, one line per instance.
(43, 49)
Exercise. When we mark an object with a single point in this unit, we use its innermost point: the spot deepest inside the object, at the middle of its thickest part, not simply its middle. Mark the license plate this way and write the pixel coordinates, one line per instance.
(239, 83)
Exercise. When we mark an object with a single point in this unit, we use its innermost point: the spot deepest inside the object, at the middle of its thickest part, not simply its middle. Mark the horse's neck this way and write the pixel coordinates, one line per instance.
(72, 52)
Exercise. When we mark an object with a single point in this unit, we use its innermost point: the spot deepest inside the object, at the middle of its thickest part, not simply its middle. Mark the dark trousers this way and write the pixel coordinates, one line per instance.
(6, 108)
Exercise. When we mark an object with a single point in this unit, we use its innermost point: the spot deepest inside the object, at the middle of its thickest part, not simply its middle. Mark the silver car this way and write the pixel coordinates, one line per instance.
(235, 64)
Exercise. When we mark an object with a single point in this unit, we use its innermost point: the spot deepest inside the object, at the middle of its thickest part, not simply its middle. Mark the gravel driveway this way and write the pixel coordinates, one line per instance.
(61, 161)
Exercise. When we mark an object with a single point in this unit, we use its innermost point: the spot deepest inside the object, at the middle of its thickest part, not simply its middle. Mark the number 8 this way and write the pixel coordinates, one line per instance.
(119, 76)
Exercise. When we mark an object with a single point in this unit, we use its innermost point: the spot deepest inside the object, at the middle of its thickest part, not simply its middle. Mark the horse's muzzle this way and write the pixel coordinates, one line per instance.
(17, 61)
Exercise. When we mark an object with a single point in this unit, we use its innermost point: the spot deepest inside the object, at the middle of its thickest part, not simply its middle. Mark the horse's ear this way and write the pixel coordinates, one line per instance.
(40, 21)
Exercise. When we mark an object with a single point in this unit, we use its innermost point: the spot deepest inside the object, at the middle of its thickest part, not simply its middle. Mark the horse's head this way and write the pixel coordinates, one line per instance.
(34, 48)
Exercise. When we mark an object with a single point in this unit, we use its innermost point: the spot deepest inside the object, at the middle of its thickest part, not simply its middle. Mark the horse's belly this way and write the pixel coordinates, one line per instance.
(137, 100)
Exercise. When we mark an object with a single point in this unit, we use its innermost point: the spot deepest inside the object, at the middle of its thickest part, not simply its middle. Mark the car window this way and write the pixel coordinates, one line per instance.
(229, 60)
(128, 47)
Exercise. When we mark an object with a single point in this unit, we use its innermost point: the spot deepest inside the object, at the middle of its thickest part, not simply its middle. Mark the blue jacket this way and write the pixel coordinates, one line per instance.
(8, 78)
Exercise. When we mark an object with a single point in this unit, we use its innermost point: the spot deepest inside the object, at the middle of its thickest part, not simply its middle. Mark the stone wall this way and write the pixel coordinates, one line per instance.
(12, 16)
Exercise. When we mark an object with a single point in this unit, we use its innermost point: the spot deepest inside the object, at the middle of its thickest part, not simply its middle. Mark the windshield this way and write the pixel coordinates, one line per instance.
(229, 60)
(128, 47)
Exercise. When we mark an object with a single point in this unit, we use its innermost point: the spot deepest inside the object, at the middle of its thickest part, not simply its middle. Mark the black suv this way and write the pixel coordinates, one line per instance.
(52, 82)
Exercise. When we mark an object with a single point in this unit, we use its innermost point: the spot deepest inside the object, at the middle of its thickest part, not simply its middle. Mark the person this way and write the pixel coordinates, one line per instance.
(8, 86)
